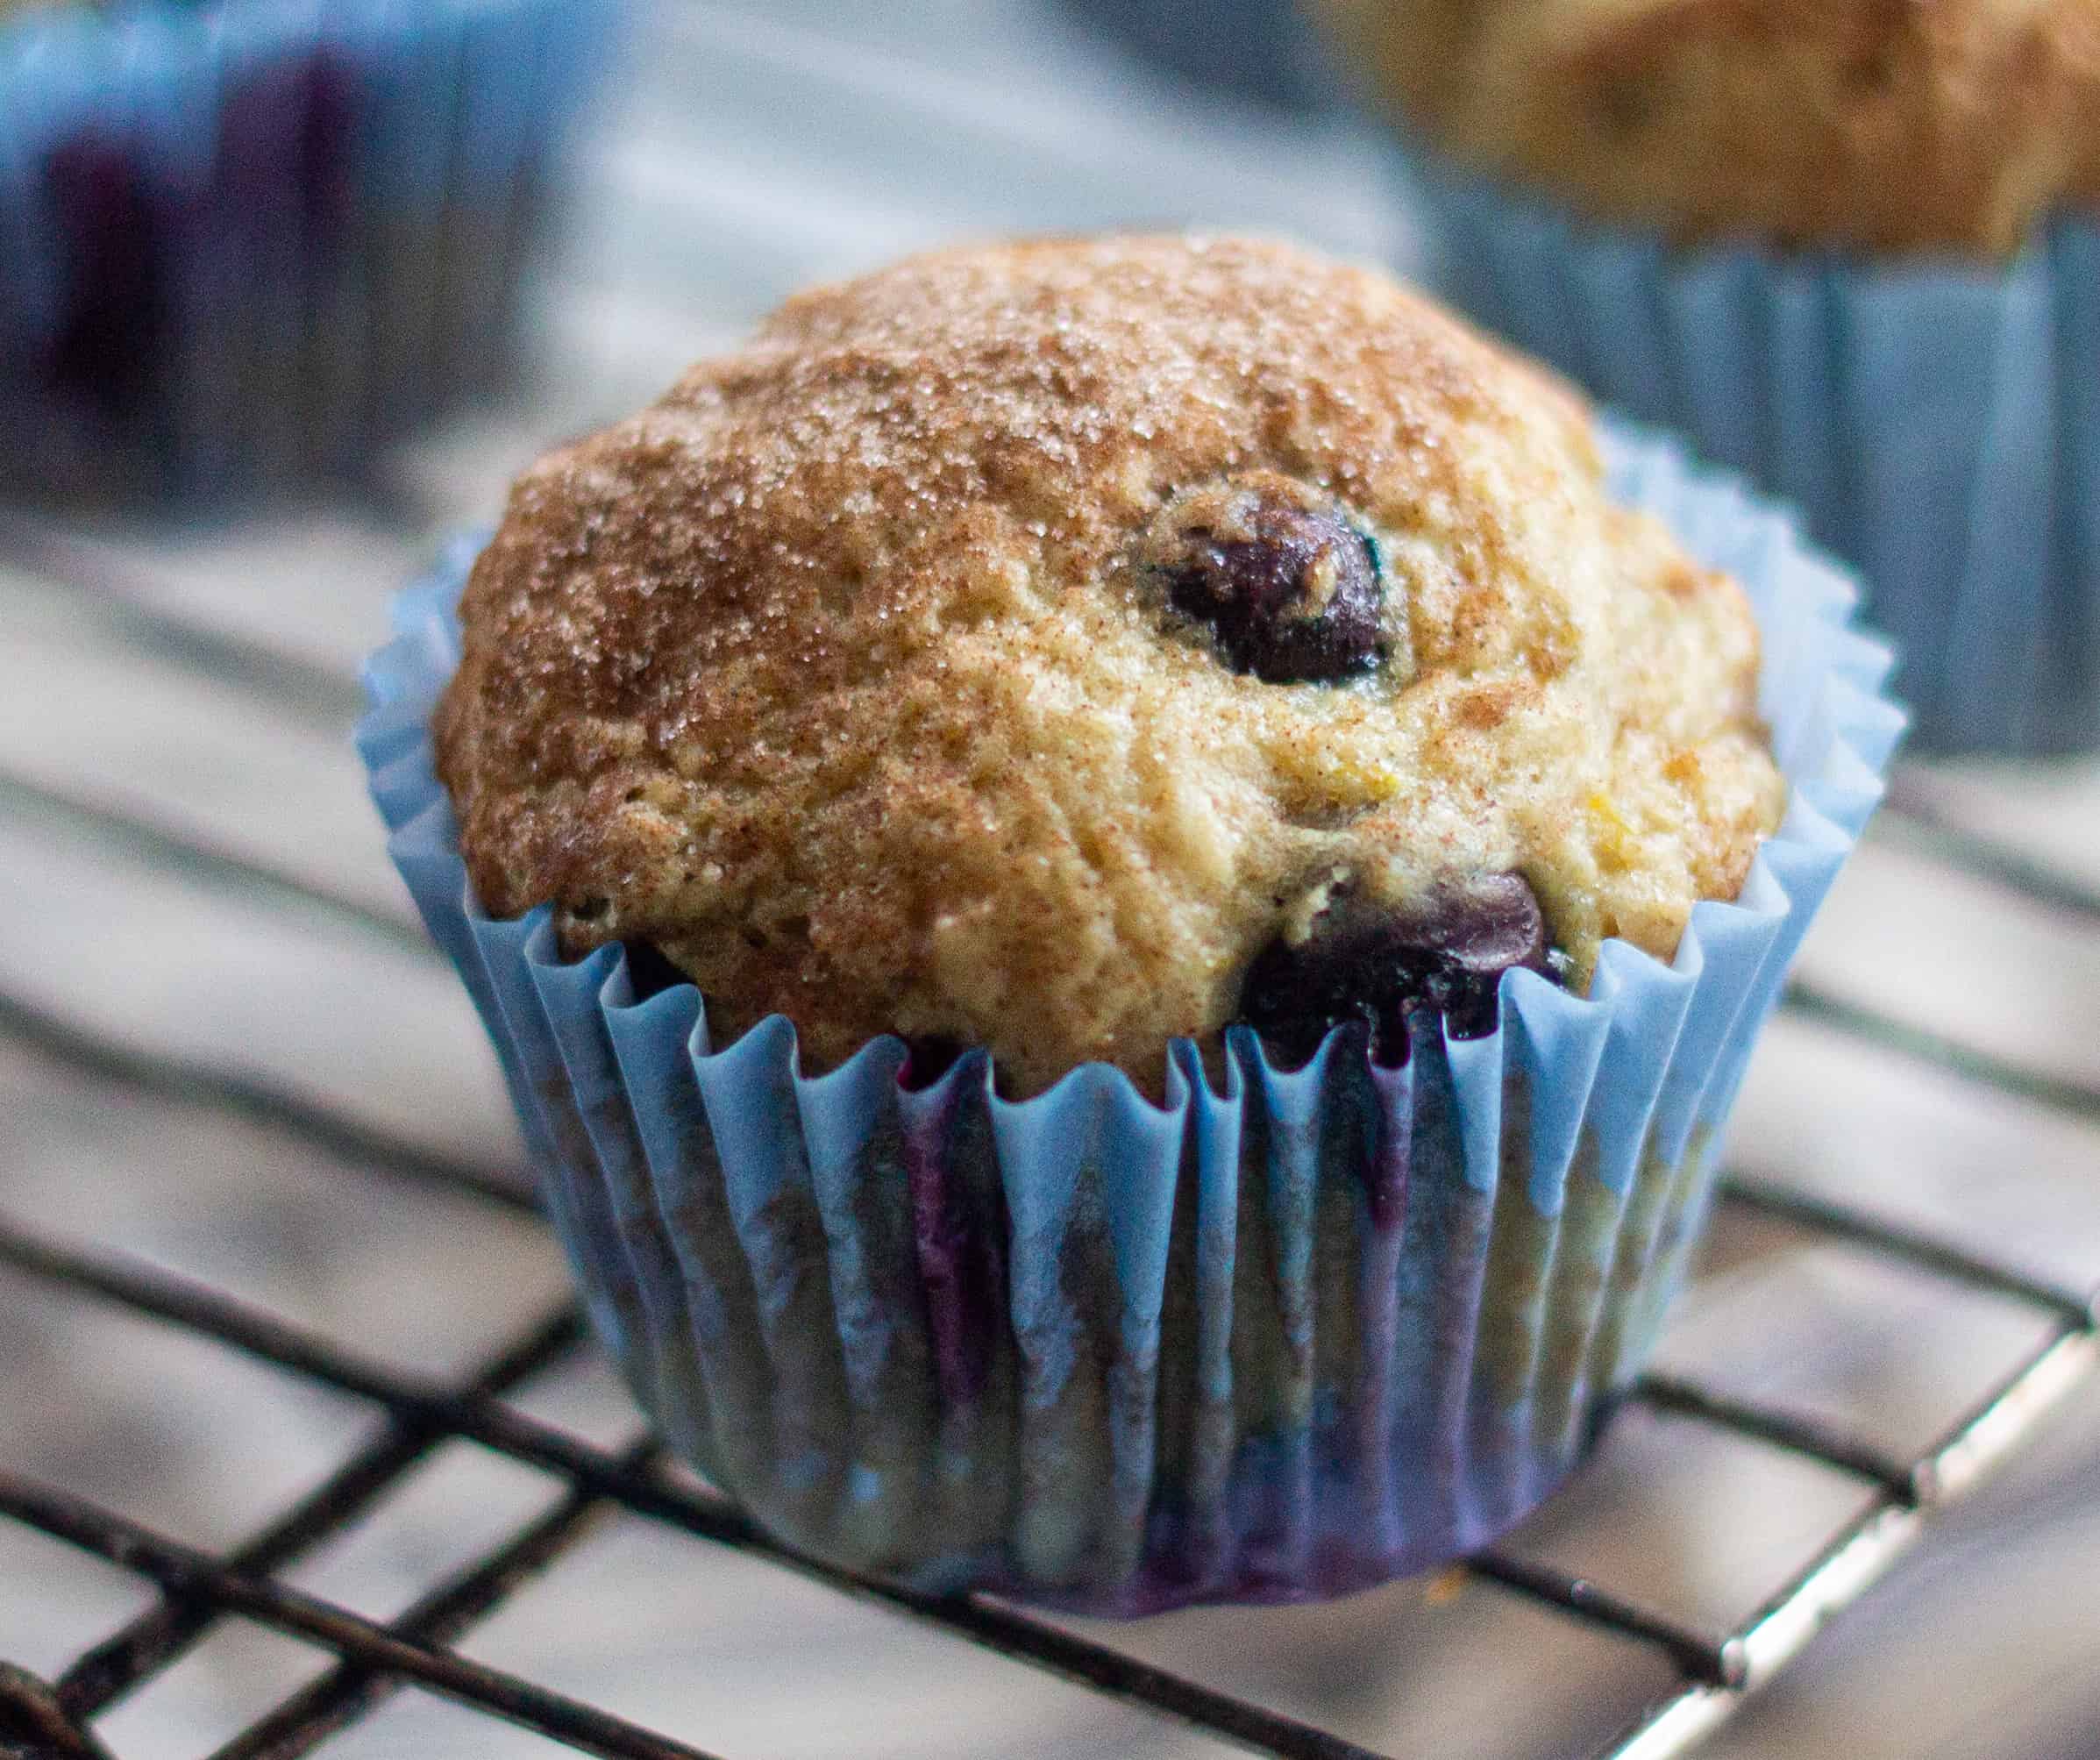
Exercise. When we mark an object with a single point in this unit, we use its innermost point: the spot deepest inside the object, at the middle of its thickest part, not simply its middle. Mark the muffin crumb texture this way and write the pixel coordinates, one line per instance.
(1887, 126)
(1014, 647)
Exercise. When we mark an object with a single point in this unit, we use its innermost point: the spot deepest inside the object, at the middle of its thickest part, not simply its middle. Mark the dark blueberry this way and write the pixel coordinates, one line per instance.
(932, 1056)
(1371, 963)
(1289, 587)
(649, 971)
(288, 133)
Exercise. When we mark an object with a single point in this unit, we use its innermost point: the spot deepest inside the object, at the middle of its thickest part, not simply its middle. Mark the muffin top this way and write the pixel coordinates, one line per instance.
(1892, 125)
(1060, 647)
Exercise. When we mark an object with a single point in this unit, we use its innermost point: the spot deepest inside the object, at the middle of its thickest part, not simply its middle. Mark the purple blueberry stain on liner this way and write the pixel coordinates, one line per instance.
(291, 131)
(956, 1243)
(1382, 964)
(116, 295)
(287, 131)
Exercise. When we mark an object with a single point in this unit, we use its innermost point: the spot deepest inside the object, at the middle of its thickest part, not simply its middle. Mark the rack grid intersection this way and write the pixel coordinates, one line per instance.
(1713, 1672)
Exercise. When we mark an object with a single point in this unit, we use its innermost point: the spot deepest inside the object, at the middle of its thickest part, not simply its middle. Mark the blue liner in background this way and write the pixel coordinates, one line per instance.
(250, 241)
(1937, 422)
(1259, 50)
(1274, 1340)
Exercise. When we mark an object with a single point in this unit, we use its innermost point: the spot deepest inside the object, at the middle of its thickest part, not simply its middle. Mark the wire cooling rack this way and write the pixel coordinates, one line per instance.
(762, 147)
(1714, 1670)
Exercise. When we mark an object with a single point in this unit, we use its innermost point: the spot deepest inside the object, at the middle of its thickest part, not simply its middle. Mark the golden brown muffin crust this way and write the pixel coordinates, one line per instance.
(1886, 124)
(842, 675)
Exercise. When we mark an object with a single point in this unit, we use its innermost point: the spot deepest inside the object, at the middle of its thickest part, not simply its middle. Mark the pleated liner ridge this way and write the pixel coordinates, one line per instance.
(1274, 1340)
(1937, 422)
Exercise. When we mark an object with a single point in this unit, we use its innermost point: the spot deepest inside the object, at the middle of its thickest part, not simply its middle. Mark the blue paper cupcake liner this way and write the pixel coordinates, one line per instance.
(248, 242)
(1274, 1339)
(1937, 423)
(1260, 50)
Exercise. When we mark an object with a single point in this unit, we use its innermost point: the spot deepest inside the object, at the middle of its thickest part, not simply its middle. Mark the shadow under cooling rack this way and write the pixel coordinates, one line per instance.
(1713, 1670)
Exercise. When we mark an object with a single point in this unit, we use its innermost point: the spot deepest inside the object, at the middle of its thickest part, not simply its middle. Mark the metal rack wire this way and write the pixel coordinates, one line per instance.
(1713, 1670)
(730, 247)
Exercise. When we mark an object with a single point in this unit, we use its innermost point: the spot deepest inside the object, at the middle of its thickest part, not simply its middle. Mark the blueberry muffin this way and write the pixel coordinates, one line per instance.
(1283, 771)
(1849, 248)
(251, 242)
(1064, 648)
(1887, 126)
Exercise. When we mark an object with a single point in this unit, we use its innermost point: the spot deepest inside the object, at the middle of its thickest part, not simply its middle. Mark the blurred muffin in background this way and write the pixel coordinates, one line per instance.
(1883, 124)
(247, 242)
(1847, 245)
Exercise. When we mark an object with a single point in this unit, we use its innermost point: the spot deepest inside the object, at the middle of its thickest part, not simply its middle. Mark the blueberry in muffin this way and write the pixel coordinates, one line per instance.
(1064, 648)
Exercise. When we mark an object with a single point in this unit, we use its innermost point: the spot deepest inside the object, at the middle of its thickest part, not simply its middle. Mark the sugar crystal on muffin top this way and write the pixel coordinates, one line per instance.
(1041, 647)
